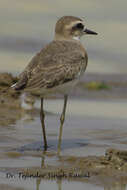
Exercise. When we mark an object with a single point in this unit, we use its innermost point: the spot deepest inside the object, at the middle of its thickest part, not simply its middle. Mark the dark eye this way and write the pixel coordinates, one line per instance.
(79, 26)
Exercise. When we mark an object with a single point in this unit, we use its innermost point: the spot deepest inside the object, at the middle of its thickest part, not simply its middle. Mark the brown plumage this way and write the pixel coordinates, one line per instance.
(57, 67)
(56, 64)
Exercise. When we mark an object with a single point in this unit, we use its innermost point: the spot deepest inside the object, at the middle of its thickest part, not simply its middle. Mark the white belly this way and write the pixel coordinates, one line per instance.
(65, 88)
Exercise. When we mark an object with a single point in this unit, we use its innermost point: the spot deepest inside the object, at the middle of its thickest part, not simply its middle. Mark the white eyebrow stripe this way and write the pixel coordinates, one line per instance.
(73, 23)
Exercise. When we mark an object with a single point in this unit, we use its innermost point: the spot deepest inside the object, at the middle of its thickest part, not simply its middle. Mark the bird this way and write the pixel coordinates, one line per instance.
(57, 68)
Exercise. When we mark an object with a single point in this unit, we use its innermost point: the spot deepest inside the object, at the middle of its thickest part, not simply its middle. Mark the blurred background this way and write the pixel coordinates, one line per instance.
(27, 25)
(97, 110)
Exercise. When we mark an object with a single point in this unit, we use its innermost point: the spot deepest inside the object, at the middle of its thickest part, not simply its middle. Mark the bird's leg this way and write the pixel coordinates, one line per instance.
(42, 117)
(62, 118)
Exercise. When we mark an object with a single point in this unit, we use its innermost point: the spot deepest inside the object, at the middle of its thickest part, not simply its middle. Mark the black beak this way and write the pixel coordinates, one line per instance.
(90, 32)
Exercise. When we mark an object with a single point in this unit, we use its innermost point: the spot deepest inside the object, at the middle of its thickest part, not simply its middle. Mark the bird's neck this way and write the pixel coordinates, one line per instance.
(67, 38)
(76, 38)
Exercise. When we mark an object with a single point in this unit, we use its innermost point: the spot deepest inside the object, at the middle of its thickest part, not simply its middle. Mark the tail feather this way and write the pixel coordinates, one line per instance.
(14, 85)
(20, 85)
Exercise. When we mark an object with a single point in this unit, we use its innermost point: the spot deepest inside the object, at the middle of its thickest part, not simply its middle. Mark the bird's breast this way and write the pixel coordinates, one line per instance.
(81, 68)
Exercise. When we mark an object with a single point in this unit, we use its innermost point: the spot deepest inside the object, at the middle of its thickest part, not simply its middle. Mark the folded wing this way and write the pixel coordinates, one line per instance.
(54, 65)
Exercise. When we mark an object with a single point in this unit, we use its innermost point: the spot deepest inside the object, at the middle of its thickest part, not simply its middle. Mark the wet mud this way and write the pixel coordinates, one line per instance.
(107, 170)
(112, 164)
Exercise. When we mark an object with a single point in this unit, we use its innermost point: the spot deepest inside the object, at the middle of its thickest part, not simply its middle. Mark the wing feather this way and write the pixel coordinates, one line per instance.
(56, 64)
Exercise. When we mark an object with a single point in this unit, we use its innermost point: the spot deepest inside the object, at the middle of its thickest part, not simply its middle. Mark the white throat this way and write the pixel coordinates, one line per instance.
(76, 38)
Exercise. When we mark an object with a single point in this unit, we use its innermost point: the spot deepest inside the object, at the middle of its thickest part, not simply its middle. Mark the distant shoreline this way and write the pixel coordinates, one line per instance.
(91, 86)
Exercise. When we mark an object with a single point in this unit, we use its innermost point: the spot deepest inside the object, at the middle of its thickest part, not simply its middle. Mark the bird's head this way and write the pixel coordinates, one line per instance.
(69, 27)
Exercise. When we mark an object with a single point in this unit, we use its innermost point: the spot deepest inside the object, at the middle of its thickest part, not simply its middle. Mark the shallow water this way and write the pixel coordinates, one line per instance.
(88, 130)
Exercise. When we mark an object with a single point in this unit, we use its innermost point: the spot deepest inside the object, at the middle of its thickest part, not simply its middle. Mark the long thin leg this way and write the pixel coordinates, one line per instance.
(62, 118)
(42, 117)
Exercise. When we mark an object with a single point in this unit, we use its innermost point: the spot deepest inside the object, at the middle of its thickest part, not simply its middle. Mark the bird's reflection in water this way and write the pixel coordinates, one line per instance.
(38, 181)
(59, 184)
